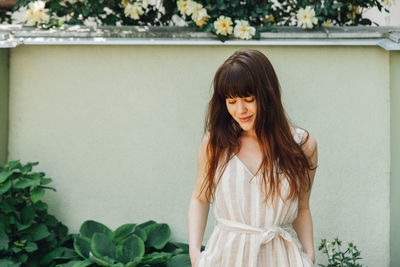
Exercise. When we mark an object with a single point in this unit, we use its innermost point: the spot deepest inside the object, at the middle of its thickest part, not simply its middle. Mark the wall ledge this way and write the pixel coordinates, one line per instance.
(387, 37)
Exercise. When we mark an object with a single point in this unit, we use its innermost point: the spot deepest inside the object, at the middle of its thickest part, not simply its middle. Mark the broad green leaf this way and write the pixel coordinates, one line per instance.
(129, 249)
(181, 260)
(157, 235)
(27, 214)
(13, 165)
(40, 205)
(90, 227)
(37, 194)
(122, 232)
(4, 175)
(38, 231)
(102, 247)
(156, 257)
(24, 183)
(30, 247)
(3, 238)
(150, 222)
(140, 232)
(101, 262)
(82, 246)
(45, 181)
(5, 187)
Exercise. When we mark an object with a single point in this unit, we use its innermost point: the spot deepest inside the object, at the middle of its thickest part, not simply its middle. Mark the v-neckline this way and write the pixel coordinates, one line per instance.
(245, 167)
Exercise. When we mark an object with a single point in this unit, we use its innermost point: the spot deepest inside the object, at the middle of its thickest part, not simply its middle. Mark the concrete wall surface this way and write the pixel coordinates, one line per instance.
(118, 129)
(395, 158)
(4, 98)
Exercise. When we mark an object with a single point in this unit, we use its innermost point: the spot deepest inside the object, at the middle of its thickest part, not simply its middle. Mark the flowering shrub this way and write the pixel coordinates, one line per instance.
(227, 19)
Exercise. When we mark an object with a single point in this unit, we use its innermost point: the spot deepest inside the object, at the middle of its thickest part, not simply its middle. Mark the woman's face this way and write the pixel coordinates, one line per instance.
(243, 110)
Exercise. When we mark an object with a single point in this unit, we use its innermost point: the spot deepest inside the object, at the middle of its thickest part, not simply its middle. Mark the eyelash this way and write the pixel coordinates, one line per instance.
(248, 101)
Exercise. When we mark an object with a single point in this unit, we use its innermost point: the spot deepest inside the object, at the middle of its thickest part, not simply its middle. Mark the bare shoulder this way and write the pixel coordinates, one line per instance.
(309, 145)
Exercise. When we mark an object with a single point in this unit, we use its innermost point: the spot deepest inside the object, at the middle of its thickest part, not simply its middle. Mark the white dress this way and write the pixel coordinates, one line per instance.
(248, 232)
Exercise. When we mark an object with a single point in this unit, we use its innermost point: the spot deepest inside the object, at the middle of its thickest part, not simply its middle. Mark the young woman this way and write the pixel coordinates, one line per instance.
(257, 169)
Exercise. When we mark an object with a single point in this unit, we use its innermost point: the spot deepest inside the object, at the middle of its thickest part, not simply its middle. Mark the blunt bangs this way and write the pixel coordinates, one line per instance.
(235, 81)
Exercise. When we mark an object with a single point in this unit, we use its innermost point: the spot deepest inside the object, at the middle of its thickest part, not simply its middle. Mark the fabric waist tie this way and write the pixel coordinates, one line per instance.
(264, 236)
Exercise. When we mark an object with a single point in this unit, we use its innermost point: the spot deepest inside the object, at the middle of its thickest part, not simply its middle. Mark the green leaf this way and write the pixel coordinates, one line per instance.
(37, 194)
(3, 238)
(150, 222)
(130, 249)
(99, 261)
(5, 187)
(38, 231)
(140, 232)
(103, 247)
(181, 260)
(27, 214)
(45, 181)
(30, 247)
(157, 235)
(82, 246)
(122, 232)
(11, 165)
(40, 205)
(156, 257)
(4, 175)
(24, 183)
(90, 227)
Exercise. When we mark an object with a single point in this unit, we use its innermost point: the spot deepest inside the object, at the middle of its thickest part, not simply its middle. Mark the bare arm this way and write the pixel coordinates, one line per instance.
(303, 223)
(198, 207)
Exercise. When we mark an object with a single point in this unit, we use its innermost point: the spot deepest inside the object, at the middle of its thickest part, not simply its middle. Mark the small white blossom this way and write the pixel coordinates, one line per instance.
(91, 21)
(133, 11)
(33, 15)
(223, 25)
(306, 17)
(243, 30)
(178, 21)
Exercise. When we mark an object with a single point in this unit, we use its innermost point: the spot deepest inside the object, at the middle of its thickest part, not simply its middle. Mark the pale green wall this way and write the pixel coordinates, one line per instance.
(395, 159)
(118, 128)
(4, 68)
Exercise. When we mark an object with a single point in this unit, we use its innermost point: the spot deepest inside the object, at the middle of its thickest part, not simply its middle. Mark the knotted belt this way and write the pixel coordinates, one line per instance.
(264, 236)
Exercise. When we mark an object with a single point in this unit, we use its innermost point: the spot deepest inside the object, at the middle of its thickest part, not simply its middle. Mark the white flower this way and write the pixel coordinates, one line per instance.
(178, 21)
(108, 10)
(186, 7)
(306, 17)
(33, 15)
(223, 25)
(327, 23)
(199, 15)
(91, 21)
(19, 16)
(389, 2)
(133, 11)
(242, 30)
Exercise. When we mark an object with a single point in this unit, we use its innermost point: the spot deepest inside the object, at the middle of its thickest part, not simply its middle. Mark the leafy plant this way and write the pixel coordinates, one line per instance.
(336, 257)
(29, 236)
(130, 245)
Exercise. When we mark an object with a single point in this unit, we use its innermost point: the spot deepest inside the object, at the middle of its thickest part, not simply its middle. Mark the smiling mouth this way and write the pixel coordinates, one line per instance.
(245, 118)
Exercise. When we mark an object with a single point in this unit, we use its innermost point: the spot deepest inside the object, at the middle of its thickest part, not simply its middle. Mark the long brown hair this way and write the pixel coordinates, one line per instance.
(250, 73)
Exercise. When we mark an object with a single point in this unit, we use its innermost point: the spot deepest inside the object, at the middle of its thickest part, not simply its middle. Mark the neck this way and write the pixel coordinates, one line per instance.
(250, 133)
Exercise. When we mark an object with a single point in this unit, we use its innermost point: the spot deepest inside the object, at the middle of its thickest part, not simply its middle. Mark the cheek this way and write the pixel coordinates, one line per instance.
(229, 109)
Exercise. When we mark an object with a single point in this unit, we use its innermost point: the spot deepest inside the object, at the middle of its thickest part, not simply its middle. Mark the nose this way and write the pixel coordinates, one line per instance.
(242, 107)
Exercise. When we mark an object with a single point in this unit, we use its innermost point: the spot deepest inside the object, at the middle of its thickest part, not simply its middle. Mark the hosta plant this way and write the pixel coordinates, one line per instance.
(130, 245)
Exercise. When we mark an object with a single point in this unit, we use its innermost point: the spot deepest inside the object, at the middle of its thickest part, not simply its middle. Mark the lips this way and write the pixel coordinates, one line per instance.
(244, 119)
